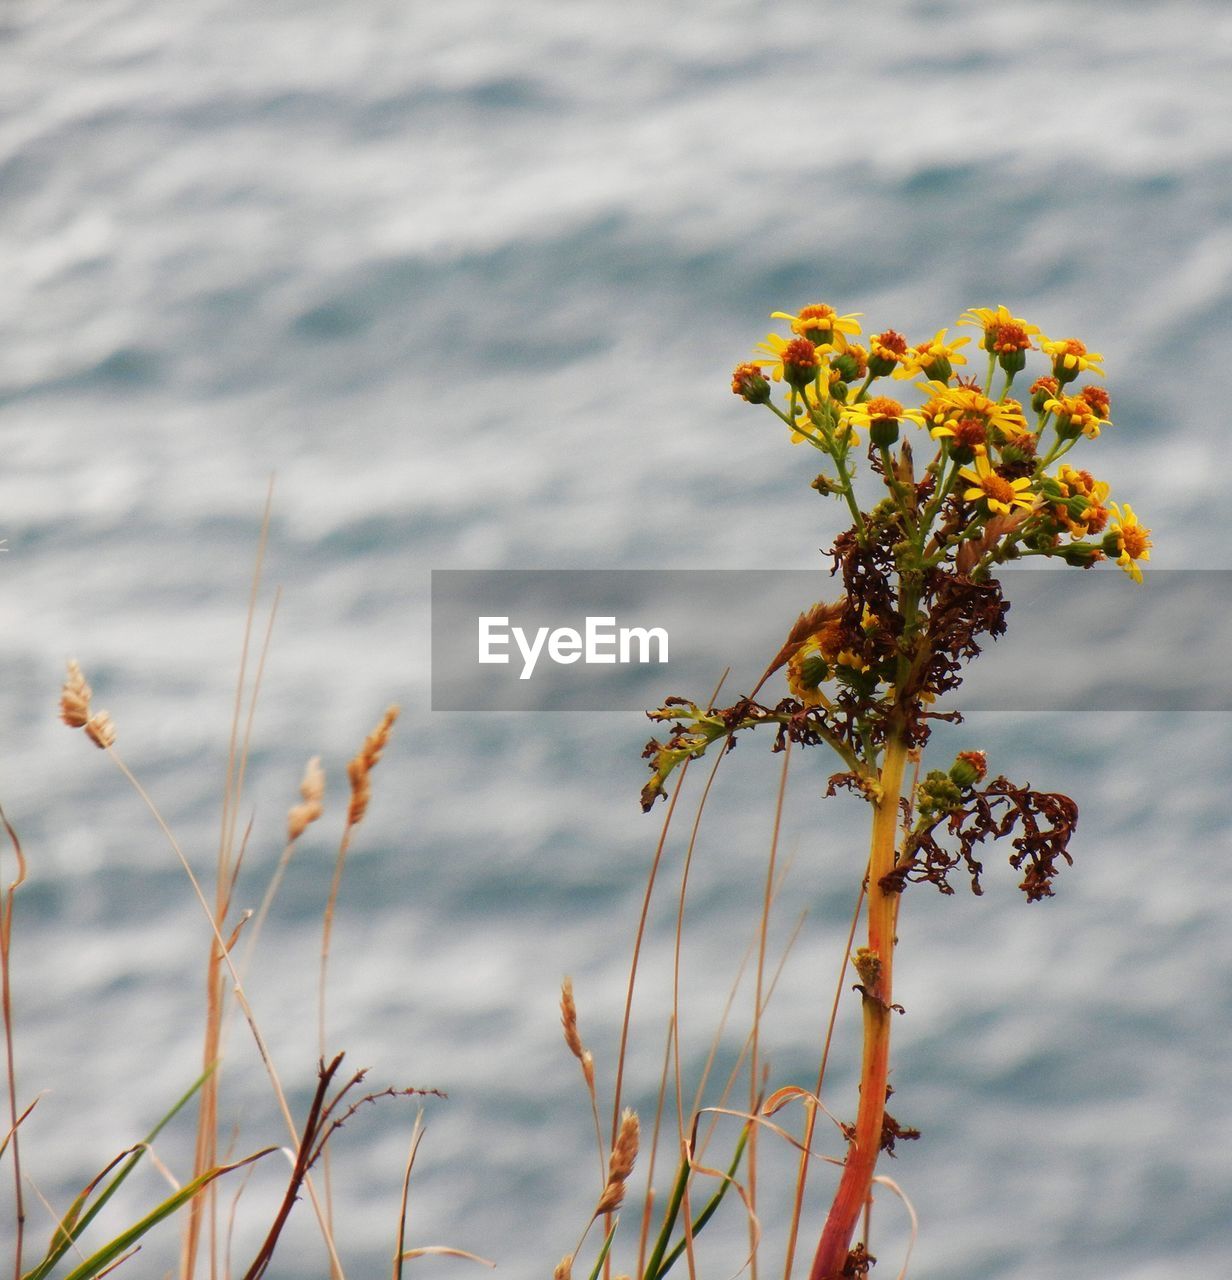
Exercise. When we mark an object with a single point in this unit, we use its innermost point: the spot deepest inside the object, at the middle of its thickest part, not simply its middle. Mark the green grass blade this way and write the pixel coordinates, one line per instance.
(114, 1248)
(70, 1227)
(661, 1261)
(607, 1245)
(708, 1212)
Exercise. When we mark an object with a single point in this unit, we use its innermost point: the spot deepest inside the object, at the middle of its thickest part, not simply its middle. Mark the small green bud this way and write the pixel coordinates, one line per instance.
(1081, 554)
(813, 671)
(883, 432)
(937, 794)
(847, 366)
(1012, 361)
(750, 384)
(968, 768)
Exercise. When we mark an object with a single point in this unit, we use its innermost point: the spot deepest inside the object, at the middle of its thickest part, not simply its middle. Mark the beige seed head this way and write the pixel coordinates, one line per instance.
(75, 697)
(564, 1268)
(624, 1153)
(100, 730)
(568, 1021)
(312, 788)
(363, 764)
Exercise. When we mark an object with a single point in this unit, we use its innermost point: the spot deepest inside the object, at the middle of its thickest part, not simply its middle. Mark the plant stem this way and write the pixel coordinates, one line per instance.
(856, 1182)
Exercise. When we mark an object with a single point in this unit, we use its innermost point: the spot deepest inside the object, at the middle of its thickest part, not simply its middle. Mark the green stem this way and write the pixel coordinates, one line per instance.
(709, 1211)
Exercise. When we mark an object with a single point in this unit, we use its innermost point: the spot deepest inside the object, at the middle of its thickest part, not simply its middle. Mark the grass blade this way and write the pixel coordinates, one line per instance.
(126, 1239)
(70, 1227)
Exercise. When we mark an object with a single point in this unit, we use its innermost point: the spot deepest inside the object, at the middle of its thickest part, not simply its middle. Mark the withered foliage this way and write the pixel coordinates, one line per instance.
(1040, 822)
(880, 653)
(859, 1260)
(892, 674)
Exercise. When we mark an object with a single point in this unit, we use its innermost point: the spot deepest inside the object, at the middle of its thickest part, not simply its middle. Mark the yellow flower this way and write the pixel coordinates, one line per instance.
(1082, 484)
(932, 358)
(1074, 414)
(821, 325)
(1071, 357)
(772, 357)
(948, 406)
(879, 409)
(1128, 540)
(1001, 495)
(812, 664)
(1002, 331)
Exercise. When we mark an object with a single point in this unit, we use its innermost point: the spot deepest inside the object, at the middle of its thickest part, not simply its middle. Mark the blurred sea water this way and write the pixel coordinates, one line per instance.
(468, 280)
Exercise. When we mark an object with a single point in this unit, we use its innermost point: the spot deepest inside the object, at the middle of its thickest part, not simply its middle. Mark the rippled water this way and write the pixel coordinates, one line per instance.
(468, 279)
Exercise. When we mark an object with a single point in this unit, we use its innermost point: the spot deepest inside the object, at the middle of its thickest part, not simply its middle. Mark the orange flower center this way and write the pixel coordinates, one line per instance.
(817, 316)
(891, 342)
(800, 353)
(970, 431)
(1073, 347)
(1098, 399)
(1134, 541)
(1095, 518)
(881, 407)
(1009, 337)
(998, 489)
(742, 375)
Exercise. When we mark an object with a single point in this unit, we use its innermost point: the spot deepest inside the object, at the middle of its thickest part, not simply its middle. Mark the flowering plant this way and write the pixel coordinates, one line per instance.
(919, 592)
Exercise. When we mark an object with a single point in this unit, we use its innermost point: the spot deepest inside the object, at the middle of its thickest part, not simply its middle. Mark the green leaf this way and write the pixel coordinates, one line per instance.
(71, 1225)
(114, 1248)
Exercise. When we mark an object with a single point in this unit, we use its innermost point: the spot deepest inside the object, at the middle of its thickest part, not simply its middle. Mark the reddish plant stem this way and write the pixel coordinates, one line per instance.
(857, 1180)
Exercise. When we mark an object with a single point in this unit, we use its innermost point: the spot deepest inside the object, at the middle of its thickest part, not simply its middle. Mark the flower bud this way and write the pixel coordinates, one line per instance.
(800, 363)
(750, 384)
(969, 768)
(1043, 390)
(825, 486)
(813, 671)
(937, 794)
(847, 366)
(1082, 554)
(1012, 361)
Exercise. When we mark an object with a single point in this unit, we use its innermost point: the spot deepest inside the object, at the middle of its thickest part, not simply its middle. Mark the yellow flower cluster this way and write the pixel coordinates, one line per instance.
(996, 487)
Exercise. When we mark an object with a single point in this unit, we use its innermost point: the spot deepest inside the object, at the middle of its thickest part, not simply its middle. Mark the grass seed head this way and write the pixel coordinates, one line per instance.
(100, 730)
(75, 697)
(363, 764)
(312, 788)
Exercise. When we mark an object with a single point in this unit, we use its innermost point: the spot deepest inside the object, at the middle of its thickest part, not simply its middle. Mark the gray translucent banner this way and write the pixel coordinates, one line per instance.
(624, 639)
